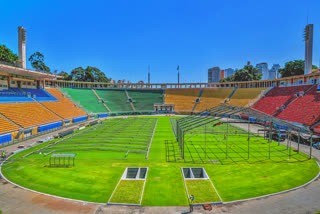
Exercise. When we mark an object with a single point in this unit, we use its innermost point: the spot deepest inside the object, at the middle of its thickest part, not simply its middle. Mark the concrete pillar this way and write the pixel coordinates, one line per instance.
(22, 47)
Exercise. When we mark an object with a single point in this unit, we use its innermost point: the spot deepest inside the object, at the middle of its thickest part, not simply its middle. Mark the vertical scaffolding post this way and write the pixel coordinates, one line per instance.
(289, 134)
(298, 142)
(311, 146)
(205, 141)
(248, 138)
(227, 138)
(269, 140)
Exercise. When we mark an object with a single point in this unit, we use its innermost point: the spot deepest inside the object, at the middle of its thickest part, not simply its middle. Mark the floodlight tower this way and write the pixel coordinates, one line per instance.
(149, 74)
(308, 38)
(22, 47)
(178, 76)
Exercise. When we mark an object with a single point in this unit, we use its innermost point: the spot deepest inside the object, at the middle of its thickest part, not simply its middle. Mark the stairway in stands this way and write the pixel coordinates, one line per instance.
(101, 99)
(198, 100)
(130, 100)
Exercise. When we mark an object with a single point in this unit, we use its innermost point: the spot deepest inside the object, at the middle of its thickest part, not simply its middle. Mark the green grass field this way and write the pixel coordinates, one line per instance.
(128, 192)
(202, 190)
(104, 152)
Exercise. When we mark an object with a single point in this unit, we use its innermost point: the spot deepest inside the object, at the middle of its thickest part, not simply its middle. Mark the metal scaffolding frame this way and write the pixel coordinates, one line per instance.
(185, 125)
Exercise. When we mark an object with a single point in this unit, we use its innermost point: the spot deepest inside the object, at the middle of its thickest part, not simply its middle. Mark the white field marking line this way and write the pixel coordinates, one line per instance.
(184, 179)
(185, 185)
(116, 186)
(173, 130)
(154, 129)
(214, 188)
(41, 193)
(144, 184)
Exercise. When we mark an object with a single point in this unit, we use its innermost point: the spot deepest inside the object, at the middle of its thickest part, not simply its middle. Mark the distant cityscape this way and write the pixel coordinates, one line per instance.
(215, 74)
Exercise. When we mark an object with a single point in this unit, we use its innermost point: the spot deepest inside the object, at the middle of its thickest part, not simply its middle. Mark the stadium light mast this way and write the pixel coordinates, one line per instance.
(178, 77)
(149, 74)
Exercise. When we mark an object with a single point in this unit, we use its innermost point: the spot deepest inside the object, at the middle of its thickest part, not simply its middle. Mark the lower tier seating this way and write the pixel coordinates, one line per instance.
(27, 114)
(182, 99)
(242, 96)
(212, 97)
(6, 126)
(277, 97)
(305, 109)
(116, 100)
(145, 99)
(64, 107)
(86, 98)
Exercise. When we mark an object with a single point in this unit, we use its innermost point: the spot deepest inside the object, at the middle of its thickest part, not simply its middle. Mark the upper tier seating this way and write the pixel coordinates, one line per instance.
(39, 94)
(305, 109)
(212, 97)
(27, 114)
(116, 100)
(277, 97)
(145, 99)
(242, 96)
(64, 107)
(183, 99)
(6, 126)
(87, 99)
(13, 95)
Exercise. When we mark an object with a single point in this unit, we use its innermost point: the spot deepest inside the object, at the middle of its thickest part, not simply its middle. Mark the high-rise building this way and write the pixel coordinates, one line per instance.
(222, 74)
(263, 69)
(214, 75)
(228, 72)
(274, 72)
(308, 37)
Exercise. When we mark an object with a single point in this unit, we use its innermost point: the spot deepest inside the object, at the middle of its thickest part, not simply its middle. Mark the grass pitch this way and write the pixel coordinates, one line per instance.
(128, 192)
(97, 172)
(202, 190)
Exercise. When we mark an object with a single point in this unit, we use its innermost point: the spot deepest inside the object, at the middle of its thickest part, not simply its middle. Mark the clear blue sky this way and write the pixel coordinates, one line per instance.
(123, 37)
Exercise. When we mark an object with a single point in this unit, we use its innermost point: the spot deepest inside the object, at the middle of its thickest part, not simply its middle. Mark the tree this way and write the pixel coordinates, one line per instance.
(65, 75)
(90, 74)
(294, 68)
(248, 73)
(6, 55)
(37, 63)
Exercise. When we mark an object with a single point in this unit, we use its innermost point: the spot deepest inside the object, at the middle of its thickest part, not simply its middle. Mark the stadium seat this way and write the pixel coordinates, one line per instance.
(145, 99)
(116, 100)
(277, 97)
(86, 98)
(211, 98)
(6, 126)
(64, 107)
(27, 114)
(308, 107)
(242, 96)
(182, 99)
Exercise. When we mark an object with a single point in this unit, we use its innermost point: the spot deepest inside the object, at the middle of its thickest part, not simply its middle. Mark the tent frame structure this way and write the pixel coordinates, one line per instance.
(229, 113)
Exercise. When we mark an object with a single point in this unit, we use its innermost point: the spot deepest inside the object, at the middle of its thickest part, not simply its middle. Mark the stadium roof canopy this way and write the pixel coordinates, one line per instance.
(25, 72)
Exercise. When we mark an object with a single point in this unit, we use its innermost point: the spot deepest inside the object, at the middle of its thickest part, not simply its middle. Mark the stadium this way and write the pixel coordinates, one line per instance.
(88, 147)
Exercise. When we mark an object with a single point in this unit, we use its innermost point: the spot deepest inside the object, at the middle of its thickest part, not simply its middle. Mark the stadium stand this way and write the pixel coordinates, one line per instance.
(145, 99)
(86, 98)
(278, 97)
(64, 107)
(27, 114)
(116, 100)
(212, 97)
(6, 126)
(242, 96)
(39, 94)
(308, 107)
(182, 99)
(13, 95)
